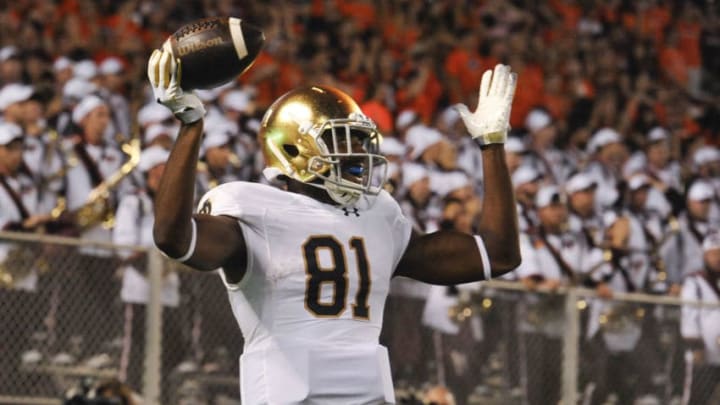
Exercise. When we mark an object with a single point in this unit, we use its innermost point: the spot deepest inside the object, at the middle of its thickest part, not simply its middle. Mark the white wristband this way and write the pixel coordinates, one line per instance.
(193, 242)
(483, 257)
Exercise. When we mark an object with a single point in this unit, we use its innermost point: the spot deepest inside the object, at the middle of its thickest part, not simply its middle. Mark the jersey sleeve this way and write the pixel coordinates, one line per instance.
(247, 202)
(400, 225)
(220, 201)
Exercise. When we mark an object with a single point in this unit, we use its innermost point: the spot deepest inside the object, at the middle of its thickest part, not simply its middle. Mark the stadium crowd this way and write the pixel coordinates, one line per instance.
(614, 148)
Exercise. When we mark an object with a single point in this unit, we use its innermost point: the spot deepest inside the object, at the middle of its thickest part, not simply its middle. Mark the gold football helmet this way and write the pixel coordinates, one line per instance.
(319, 136)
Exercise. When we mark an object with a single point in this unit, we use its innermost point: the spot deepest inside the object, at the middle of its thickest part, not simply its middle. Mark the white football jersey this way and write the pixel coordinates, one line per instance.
(310, 305)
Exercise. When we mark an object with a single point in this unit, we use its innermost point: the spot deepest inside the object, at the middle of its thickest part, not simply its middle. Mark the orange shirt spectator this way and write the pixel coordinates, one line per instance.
(379, 113)
(689, 38)
(421, 95)
(673, 64)
(528, 93)
(569, 11)
(653, 22)
(610, 13)
(400, 37)
(259, 75)
(290, 77)
(361, 11)
(557, 104)
(466, 68)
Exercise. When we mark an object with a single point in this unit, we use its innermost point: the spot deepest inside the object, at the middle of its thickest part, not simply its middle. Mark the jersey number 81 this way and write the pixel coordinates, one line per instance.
(336, 275)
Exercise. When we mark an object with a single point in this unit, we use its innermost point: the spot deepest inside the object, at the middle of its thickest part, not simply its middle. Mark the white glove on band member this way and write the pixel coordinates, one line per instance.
(164, 73)
(491, 120)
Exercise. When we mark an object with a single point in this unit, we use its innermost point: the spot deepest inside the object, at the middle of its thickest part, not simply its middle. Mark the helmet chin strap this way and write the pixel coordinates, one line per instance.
(341, 195)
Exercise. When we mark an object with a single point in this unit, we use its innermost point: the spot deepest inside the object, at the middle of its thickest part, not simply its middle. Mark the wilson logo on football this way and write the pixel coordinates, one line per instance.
(188, 48)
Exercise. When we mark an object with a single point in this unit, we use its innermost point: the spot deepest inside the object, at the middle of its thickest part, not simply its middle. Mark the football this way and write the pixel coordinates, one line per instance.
(214, 51)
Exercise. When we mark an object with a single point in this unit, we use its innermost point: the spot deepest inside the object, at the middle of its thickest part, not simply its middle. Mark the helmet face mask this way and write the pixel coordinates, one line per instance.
(319, 136)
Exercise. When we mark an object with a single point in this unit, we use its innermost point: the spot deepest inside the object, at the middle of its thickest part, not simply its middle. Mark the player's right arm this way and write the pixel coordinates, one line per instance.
(203, 242)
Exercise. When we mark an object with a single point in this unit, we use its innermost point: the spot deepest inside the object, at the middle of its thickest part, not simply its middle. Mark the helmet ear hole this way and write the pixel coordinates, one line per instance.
(291, 150)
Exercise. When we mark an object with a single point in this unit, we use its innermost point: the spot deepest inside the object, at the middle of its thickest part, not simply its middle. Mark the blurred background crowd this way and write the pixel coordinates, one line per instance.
(613, 149)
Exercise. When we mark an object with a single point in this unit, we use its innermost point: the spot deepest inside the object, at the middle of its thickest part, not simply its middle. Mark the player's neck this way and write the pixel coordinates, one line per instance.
(315, 193)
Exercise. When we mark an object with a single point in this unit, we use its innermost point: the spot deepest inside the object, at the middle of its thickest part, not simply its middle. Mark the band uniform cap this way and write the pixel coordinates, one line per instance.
(151, 157)
(215, 139)
(419, 138)
(701, 191)
(580, 182)
(85, 107)
(525, 174)
(450, 116)
(77, 89)
(537, 119)
(8, 52)
(515, 145)
(236, 100)
(404, 119)
(444, 183)
(156, 130)
(548, 195)
(153, 113)
(413, 172)
(14, 93)
(657, 134)
(85, 69)
(638, 181)
(391, 146)
(711, 241)
(9, 132)
(705, 155)
(111, 66)
(62, 63)
(602, 138)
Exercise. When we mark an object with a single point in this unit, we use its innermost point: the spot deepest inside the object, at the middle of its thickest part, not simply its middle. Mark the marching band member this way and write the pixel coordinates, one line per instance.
(700, 327)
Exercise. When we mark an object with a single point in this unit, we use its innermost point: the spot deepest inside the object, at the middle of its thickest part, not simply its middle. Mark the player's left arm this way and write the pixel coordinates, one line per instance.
(450, 257)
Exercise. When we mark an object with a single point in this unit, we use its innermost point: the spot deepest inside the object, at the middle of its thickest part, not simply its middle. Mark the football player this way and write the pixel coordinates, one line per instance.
(308, 267)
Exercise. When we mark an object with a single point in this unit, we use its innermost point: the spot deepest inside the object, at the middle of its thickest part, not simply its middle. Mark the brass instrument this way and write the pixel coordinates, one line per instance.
(17, 265)
(620, 316)
(97, 208)
(548, 308)
(463, 309)
(234, 160)
(54, 146)
(469, 304)
(655, 258)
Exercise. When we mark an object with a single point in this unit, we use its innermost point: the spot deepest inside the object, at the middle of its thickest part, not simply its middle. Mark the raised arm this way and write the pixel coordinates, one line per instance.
(449, 257)
(201, 241)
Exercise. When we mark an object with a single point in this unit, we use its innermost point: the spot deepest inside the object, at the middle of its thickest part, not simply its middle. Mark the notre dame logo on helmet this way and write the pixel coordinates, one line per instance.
(206, 208)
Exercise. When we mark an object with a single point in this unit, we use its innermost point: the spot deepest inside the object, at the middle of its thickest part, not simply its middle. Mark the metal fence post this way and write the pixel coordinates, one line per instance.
(153, 330)
(571, 341)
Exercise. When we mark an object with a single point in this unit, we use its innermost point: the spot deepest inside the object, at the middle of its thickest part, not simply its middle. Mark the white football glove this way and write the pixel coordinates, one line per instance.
(491, 120)
(164, 73)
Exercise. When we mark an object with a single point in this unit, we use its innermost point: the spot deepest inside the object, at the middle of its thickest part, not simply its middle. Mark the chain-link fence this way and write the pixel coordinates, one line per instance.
(73, 312)
(77, 313)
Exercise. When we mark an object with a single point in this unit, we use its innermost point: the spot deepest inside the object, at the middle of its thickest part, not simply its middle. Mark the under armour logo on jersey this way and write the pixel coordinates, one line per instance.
(353, 211)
